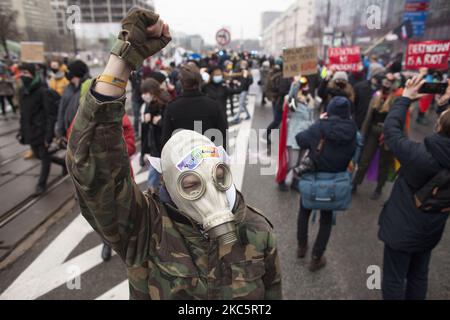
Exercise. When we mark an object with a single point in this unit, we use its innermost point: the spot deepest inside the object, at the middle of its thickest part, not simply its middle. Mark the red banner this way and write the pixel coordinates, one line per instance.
(345, 59)
(427, 54)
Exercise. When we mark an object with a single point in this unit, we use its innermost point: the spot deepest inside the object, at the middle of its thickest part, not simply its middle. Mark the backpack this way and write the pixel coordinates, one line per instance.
(328, 191)
(434, 196)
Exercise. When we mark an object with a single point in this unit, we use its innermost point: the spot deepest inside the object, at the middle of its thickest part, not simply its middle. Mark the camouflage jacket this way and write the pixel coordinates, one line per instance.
(166, 259)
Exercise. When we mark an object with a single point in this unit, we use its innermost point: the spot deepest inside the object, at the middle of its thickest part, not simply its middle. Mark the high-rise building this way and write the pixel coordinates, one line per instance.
(289, 29)
(36, 21)
(100, 20)
(268, 17)
(108, 11)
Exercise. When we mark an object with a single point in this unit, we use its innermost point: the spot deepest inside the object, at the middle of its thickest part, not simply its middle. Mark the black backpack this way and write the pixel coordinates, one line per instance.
(434, 197)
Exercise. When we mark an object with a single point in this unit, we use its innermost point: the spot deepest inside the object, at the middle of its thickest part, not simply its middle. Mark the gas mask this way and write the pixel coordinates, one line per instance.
(199, 182)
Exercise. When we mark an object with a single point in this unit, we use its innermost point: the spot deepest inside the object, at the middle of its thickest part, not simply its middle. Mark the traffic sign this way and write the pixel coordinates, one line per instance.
(223, 37)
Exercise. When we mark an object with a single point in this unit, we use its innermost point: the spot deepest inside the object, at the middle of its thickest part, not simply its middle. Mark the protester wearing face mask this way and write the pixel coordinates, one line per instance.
(155, 102)
(413, 220)
(193, 110)
(165, 241)
(245, 80)
(38, 110)
(77, 74)
(335, 85)
(58, 80)
(217, 89)
(372, 131)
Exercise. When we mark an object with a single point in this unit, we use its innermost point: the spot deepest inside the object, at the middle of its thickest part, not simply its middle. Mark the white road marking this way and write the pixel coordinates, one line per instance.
(119, 292)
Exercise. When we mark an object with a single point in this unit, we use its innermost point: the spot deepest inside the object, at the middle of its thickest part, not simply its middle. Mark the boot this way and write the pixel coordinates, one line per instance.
(302, 250)
(28, 155)
(376, 194)
(106, 253)
(354, 188)
(283, 187)
(317, 263)
(40, 190)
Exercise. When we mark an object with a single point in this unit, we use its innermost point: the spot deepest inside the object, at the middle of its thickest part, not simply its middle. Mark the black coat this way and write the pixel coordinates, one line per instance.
(220, 93)
(403, 227)
(38, 113)
(193, 106)
(363, 96)
(338, 148)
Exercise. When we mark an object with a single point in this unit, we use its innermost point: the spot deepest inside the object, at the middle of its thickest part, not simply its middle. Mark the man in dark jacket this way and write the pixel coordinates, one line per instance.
(364, 91)
(408, 233)
(336, 131)
(218, 90)
(194, 111)
(38, 109)
(279, 88)
(78, 72)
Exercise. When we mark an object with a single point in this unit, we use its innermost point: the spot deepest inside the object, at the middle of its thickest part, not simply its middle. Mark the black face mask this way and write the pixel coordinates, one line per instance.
(69, 76)
(55, 71)
(341, 85)
(26, 81)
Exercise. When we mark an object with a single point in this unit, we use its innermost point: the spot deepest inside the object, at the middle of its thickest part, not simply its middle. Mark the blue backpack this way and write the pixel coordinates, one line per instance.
(328, 191)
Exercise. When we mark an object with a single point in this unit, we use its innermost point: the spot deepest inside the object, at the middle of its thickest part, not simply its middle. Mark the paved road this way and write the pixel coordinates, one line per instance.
(69, 247)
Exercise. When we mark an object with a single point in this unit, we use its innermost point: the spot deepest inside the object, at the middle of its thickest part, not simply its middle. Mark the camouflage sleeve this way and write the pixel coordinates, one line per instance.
(272, 277)
(99, 166)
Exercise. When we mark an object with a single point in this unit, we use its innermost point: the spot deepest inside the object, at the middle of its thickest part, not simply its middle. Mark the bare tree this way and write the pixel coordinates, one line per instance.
(8, 28)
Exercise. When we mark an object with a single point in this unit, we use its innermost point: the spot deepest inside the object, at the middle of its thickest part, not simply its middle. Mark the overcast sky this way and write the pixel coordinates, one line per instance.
(206, 17)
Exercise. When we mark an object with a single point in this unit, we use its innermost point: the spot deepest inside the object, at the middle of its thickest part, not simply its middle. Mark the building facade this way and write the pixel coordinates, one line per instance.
(289, 30)
(36, 21)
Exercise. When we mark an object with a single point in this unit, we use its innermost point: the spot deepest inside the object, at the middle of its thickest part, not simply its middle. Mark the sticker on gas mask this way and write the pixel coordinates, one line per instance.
(196, 157)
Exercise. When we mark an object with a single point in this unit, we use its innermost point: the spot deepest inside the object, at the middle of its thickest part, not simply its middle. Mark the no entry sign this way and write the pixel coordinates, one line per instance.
(223, 37)
(345, 58)
(427, 54)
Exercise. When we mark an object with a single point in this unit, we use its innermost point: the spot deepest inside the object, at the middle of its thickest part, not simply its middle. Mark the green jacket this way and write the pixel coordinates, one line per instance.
(166, 258)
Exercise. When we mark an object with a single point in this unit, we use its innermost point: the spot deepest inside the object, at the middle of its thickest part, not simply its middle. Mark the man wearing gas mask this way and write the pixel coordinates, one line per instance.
(197, 239)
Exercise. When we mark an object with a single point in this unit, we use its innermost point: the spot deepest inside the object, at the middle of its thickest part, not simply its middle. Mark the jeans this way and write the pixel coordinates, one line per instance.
(41, 152)
(136, 105)
(242, 105)
(405, 275)
(153, 178)
(277, 111)
(326, 223)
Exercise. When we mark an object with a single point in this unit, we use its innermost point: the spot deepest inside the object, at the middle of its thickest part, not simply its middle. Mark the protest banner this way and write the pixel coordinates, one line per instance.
(431, 54)
(32, 52)
(345, 59)
(299, 61)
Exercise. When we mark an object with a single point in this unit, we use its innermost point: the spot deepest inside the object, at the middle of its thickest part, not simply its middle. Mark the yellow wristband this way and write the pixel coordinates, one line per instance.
(112, 81)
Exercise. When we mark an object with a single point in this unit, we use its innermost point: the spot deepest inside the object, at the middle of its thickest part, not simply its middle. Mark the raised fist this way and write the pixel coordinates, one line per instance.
(143, 34)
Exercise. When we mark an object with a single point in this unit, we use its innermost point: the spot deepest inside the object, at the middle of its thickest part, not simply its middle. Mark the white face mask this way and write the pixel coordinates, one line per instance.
(198, 180)
(205, 76)
(147, 97)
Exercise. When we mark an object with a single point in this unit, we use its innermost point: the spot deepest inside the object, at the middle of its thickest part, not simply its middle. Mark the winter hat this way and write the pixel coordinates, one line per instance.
(339, 106)
(78, 69)
(340, 75)
(158, 76)
(31, 68)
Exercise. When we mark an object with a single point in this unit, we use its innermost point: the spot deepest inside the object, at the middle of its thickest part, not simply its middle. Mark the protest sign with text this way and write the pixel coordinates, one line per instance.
(345, 59)
(431, 54)
(299, 61)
